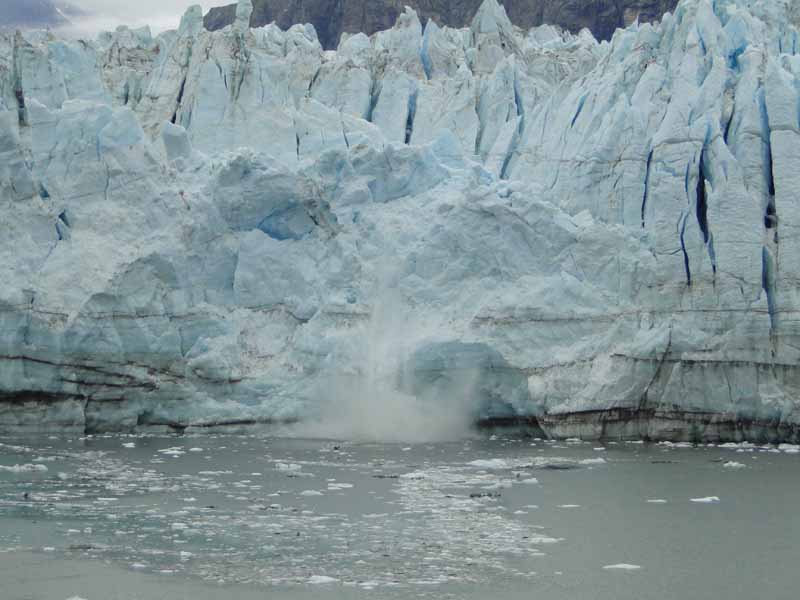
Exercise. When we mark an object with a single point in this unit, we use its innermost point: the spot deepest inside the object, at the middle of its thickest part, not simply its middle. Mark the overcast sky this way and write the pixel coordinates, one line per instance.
(159, 14)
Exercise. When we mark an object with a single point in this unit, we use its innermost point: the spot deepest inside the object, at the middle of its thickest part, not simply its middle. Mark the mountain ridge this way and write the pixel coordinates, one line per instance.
(331, 18)
(33, 14)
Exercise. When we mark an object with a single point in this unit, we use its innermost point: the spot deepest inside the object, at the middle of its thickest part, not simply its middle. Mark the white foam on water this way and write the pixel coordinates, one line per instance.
(26, 468)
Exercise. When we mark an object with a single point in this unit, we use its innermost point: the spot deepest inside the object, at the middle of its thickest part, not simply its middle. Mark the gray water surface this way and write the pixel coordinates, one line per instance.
(252, 516)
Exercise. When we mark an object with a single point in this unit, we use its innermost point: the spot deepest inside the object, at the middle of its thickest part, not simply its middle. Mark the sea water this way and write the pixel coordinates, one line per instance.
(256, 516)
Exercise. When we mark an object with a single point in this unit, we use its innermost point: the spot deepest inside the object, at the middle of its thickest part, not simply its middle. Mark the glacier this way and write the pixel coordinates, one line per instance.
(595, 239)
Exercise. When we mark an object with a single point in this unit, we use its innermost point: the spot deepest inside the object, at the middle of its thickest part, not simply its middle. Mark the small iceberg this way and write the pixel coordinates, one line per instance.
(321, 579)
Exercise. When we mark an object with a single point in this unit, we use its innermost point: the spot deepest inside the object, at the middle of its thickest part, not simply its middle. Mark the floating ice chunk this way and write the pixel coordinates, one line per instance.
(138, 566)
(320, 579)
(175, 451)
(179, 526)
(129, 445)
(369, 585)
(656, 501)
(489, 463)
(592, 461)
(530, 480)
(569, 506)
(280, 466)
(732, 464)
(790, 448)
(311, 493)
(339, 486)
(26, 468)
(737, 446)
(706, 500)
(623, 567)
(195, 449)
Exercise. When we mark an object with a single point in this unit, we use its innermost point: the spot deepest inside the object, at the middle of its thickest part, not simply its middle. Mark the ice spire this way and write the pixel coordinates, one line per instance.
(192, 21)
(244, 10)
(493, 37)
(491, 18)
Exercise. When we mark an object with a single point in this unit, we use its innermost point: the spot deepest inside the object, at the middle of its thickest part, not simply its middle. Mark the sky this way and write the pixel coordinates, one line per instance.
(159, 14)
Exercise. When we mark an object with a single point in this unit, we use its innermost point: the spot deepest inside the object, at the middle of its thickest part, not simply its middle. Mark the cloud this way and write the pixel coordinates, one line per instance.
(105, 15)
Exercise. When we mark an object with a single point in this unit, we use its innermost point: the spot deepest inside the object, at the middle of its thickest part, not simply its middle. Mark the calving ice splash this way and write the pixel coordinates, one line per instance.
(427, 226)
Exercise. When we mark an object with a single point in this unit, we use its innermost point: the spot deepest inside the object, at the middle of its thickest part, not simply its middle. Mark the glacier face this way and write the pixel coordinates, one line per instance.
(204, 228)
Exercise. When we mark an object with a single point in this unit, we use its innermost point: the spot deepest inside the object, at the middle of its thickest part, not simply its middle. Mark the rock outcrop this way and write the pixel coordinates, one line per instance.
(331, 18)
(236, 226)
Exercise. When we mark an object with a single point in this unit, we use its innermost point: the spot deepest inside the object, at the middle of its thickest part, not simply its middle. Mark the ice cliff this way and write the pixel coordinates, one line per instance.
(601, 238)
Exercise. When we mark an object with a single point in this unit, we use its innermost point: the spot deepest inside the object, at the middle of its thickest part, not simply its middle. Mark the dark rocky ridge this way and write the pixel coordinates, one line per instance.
(331, 18)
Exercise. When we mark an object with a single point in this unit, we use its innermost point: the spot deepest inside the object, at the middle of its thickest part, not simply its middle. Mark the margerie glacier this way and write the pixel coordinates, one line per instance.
(601, 238)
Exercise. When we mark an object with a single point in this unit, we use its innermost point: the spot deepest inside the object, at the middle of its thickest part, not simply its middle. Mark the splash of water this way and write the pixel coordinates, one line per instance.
(370, 404)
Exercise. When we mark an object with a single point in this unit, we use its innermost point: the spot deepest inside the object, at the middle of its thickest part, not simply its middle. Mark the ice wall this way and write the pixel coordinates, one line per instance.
(204, 228)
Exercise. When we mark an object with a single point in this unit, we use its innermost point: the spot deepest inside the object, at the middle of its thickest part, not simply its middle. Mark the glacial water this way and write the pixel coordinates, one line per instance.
(254, 516)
